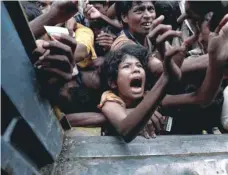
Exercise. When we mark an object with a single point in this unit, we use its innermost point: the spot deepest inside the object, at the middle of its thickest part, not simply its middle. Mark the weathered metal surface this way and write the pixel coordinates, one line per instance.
(19, 83)
(177, 155)
(13, 162)
(115, 147)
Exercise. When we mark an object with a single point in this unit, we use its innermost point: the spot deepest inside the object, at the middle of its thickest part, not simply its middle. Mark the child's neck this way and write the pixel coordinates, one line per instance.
(130, 103)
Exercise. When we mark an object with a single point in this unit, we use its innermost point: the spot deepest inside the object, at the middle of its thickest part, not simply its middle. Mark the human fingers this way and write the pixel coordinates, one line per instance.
(157, 21)
(56, 72)
(67, 40)
(105, 38)
(221, 24)
(167, 35)
(106, 45)
(57, 61)
(144, 133)
(156, 123)
(57, 47)
(158, 30)
(151, 129)
(160, 117)
(160, 41)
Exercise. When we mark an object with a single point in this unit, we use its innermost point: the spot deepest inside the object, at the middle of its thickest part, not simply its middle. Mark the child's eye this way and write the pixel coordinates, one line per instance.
(139, 65)
(126, 66)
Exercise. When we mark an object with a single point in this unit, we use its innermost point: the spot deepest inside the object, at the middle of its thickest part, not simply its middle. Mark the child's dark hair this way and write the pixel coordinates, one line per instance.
(109, 69)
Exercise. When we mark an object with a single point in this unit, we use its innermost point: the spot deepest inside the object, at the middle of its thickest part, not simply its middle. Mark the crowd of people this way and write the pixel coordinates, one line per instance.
(131, 66)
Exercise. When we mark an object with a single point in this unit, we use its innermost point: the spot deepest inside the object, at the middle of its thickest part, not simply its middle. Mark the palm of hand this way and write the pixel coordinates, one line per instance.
(218, 45)
(94, 14)
(173, 59)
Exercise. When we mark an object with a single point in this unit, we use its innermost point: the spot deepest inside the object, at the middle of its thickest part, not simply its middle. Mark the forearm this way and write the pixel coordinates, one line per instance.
(111, 13)
(204, 95)
(37, 25)
(86, 119)
(112, 22)
(212, 81)
(195, 64)
(137, 119)
(177, 100)
(189, 66)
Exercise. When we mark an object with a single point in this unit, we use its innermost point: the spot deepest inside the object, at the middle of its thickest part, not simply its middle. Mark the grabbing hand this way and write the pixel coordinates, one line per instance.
(153, 126)
(56, 57)
(61, 11)
(105, 40)
(218, 43)
(172, 57)
(91, 12)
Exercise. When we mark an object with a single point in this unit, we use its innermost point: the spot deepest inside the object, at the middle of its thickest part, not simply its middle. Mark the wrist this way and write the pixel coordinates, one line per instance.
(165, 78)
(102, 16)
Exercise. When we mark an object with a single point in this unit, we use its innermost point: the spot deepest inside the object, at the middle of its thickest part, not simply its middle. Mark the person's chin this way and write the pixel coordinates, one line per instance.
(137, 95)
(144, 32)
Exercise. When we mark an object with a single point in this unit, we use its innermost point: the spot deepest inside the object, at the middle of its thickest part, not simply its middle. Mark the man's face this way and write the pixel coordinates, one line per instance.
(140, 17)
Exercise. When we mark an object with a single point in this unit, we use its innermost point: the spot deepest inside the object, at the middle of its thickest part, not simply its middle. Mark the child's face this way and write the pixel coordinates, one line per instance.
(131, 79)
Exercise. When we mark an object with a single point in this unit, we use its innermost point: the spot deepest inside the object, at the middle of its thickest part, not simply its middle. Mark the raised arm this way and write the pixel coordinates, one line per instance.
(92, 13)
(129, 125)
(56, 14)
(218, 56)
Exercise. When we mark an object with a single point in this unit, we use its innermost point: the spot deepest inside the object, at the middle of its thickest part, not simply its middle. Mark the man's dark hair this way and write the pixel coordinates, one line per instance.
(109, 69)
(123, 7)
(98, 2)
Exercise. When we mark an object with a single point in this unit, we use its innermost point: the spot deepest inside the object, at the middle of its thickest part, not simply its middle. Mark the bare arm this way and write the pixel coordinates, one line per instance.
(56, 14)
(113, 22)
(111, 13)
(37, 25)
(189, 65)
(86, 119)
(205, 94)
(129, 125)
(218, 57)
(92, 13)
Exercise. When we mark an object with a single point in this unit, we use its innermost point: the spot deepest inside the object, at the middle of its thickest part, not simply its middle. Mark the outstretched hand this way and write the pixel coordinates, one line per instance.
(61, 11)
(218, 43)
(153, 126)
(173, 57)
(91, 12)
(56, 57)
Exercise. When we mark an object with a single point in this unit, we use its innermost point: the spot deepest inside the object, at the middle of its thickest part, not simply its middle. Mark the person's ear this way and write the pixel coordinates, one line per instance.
(124, 18)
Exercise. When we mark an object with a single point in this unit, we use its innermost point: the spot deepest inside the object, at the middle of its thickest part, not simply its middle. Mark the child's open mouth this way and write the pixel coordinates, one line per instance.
(136, 85)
